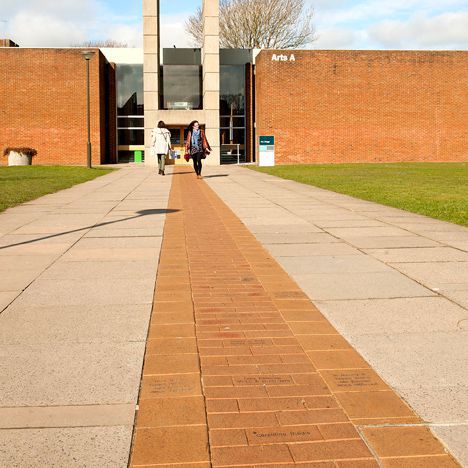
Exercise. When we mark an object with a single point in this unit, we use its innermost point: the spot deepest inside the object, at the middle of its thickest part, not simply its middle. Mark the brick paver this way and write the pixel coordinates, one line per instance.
(241, 369)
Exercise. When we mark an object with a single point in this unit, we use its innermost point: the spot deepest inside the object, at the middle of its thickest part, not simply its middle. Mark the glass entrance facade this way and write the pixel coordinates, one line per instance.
(232, 114)
(130, 109)
(234, 109)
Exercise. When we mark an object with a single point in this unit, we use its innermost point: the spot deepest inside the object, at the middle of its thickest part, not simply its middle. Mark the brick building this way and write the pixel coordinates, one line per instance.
(363, 106)
(321, 106)
(43, 104)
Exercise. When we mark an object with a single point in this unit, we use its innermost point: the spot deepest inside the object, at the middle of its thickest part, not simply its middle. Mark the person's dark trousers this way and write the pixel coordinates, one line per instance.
(197, 162)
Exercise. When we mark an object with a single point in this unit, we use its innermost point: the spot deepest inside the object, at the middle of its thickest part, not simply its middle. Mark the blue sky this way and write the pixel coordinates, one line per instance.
(340, 24)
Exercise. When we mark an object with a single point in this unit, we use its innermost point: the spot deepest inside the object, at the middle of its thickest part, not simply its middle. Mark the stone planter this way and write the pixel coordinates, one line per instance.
(19, 159)
(19, 155)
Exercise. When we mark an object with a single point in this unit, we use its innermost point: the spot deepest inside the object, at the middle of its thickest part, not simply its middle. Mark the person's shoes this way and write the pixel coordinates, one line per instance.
(159, 172)
(162, 173)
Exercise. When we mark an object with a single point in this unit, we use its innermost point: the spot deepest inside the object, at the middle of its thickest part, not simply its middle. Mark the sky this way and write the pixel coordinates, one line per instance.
(339, 24)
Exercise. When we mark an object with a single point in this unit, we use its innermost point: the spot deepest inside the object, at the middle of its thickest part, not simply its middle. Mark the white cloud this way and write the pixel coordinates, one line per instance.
(29, 30)
(48, 23)
(173, 31)
(445, 31)
(335, 38)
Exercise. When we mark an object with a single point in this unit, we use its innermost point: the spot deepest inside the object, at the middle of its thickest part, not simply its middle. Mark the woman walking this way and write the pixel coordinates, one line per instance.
(161, 144)
(197, 146)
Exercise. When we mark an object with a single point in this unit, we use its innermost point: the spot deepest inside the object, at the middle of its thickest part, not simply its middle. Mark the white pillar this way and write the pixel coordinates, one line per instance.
(150, 70)
(210, 63)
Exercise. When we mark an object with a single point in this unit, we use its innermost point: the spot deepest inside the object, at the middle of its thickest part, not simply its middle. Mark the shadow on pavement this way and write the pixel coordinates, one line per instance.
(140, 214)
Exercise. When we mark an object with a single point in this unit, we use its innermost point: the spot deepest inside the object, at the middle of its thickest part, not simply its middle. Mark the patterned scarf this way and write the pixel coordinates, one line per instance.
(195, 137)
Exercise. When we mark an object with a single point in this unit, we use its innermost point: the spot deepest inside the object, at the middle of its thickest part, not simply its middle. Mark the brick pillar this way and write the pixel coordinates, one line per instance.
(150, 70)
(210, 63)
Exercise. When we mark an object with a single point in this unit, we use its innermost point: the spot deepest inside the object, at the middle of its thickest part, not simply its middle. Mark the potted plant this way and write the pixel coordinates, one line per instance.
(20, 156)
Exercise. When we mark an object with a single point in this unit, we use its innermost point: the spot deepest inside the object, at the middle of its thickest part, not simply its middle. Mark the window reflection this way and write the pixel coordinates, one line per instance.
(181, 87)
(232, 113)
(129, 89)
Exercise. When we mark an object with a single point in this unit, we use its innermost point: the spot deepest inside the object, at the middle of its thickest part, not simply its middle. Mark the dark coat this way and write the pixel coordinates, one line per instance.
(205, 144)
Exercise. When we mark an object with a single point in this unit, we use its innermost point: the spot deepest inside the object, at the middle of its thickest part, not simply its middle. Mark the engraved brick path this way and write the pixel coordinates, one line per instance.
(241, 369)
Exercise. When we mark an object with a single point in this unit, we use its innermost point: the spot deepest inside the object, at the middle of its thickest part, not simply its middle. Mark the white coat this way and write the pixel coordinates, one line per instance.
(160, 140)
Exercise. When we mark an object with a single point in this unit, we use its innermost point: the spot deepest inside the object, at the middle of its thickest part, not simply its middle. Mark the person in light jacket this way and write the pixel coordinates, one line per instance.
(161, 144)
(197, 146)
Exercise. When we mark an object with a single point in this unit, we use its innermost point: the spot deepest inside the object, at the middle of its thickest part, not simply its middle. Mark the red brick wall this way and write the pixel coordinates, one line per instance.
(364, 106)
(43, 104)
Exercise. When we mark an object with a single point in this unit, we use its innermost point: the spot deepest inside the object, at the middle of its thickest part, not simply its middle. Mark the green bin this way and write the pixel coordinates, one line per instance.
(138, 156)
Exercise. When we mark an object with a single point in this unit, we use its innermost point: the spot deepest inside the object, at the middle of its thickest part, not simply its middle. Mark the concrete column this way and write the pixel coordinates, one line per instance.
(210, 63)
(150, 70)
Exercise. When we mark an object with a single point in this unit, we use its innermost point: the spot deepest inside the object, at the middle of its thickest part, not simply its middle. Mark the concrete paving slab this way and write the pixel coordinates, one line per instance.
(98, 269)
(109, 255)
(118, 243)
(455, 438)
(143, 232)
(10, 263)
(12, 240)
(67, 416)
(319, 216)
(352, 232)
(447, 237)
(422, 254)
(394, 316)
(296, 238)
(105, 447)
(432, 227)
(381, 242)
(331, 264)
(437, 404)
(436, 274)
(103, 291)
(344, 223)
(461, 298)
(301, 250)
(17, 280)
(6, 297)
(35, 249)
(64, 374)
(360, 286)
(462, 245)
(281, 228)
(117, 222)
(73, 324)
(404, 358)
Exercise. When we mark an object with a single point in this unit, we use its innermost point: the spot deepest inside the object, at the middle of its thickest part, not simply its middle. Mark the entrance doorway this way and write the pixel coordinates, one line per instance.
(178, 136)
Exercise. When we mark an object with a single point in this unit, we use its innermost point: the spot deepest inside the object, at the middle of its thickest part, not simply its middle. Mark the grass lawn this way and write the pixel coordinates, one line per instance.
(19, 184)
(438, 190)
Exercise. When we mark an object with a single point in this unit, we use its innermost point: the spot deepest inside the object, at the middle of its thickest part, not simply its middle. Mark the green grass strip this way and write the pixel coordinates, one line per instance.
(438, 190)
(19, 184)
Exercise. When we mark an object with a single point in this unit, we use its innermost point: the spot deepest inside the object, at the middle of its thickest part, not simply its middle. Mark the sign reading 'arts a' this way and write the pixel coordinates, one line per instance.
(283, 58)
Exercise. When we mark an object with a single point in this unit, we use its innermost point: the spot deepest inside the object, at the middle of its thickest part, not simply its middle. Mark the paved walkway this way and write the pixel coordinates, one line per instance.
(78, 269)
(395, 284)
(240, 368)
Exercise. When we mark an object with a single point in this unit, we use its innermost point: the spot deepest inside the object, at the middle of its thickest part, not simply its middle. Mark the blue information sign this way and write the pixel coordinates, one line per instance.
(267, 140)
(266, 155)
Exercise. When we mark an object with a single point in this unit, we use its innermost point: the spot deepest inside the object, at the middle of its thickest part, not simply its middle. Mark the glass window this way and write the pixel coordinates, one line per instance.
(129, 85)
(181, 87)
(232, 136)
(131, 122)
(175, 136)
(131, 137)
(232, 90)
(232, 121)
